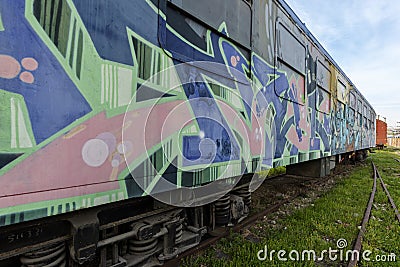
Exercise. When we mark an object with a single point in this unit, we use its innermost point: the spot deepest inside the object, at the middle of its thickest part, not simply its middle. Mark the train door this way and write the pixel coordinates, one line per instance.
(365, 127)
(213, 40)
(323, 107)
(352, 120)
(293, 130)
(341, 130)
(359, 123)
(373, 128)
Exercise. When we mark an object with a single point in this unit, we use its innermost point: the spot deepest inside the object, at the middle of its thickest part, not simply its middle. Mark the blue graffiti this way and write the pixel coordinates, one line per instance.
(107, 23)
(52, 99)
(275, 83)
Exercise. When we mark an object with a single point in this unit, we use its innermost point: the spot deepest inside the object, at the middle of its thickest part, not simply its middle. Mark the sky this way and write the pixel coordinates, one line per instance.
(363, 37)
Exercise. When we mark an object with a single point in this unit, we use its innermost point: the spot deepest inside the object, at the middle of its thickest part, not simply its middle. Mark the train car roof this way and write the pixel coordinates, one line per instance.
(304, 28)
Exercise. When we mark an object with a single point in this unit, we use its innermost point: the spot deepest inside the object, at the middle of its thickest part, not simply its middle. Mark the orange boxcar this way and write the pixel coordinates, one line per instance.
(381, 133)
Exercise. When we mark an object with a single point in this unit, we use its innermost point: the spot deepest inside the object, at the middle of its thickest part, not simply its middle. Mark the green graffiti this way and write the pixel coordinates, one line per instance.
(1, 24)
(15, 134)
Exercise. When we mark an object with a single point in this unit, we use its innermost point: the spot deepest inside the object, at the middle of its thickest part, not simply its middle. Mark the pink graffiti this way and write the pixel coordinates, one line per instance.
(26, 77)
(10, 68)
(302, 145)
(29, 63)
(235, 60)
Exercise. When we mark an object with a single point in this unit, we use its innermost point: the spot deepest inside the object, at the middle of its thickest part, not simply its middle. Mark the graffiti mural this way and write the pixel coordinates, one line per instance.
(108, 100)
(52, 101)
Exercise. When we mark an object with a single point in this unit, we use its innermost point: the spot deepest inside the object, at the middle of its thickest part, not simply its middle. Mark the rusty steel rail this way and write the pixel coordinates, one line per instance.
(389, 197)
(367, 214)
(357, 245)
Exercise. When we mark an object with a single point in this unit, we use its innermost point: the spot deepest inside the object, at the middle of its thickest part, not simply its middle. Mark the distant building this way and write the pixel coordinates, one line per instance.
(393, 136)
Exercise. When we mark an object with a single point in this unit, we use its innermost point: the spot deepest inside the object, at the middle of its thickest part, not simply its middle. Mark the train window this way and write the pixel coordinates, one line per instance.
(365, 123)
(341, 90)
(340, 110)
(352, 114)
(359, 106)
(290, 50)
(188, 28)
(323, 102)
(352, 100)
(359, 119)
(291, 58)
(323, 76)
(235, 15)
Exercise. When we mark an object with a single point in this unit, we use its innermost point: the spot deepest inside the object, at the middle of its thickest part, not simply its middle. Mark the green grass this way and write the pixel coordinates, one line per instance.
(336, 214)
(272, 172)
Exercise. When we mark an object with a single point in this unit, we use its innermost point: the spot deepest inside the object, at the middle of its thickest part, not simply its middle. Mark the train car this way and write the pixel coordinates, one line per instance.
(131, 128)
(381, 133)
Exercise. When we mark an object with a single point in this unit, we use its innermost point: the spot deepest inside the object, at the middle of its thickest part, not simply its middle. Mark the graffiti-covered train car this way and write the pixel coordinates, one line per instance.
(130, 128)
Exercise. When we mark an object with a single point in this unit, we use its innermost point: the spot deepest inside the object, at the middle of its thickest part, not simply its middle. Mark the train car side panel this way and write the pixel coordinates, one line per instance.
(85, 113)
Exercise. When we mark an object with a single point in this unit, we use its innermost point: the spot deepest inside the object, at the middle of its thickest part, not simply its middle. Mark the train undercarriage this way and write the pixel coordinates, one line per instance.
(135, 232)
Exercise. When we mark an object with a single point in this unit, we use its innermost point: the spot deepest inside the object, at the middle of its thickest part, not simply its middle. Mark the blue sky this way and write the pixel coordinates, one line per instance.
(363, 37)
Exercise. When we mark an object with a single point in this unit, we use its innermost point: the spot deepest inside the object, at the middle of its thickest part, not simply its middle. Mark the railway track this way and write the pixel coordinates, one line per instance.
(358, 243)
(302, 185)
